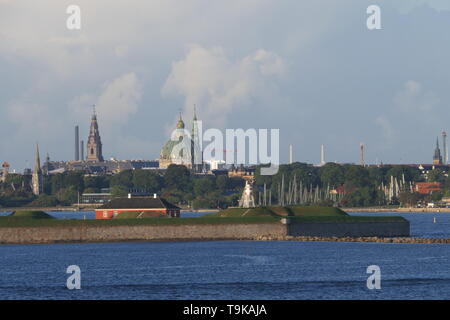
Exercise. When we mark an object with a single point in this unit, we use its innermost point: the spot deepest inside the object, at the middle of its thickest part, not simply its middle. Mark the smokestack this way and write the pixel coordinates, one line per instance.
(82, 149)
(290, 154)
(361, 155)
(77, 144)
(322, 155)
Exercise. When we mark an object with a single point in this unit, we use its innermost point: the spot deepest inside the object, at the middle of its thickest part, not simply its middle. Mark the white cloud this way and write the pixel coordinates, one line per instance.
(387, 131)
(120, 99)
(414, 99)
(219, 85)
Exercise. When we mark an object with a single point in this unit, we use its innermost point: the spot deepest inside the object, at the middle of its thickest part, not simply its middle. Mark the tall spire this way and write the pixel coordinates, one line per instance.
(36, 179)
(37, 160)
(437, 158)
(94, 143)
(196, 144)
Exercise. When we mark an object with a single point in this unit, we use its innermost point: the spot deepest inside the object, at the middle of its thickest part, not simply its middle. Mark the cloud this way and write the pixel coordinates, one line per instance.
(120, 99)
(413, 98)
(219, 85)
(387, 131)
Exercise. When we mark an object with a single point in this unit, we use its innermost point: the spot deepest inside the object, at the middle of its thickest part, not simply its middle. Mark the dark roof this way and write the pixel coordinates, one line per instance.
(139, 203)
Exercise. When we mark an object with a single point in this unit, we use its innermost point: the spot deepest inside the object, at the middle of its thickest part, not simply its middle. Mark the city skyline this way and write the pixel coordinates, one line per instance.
(320, 77)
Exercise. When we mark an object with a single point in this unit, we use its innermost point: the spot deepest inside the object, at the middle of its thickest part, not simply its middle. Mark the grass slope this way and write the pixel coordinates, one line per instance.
(140, 215)
(14, 222)
(29, 214)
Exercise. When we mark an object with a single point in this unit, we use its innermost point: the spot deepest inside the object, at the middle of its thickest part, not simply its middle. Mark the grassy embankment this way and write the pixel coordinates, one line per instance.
(231, 215)
(303, 214)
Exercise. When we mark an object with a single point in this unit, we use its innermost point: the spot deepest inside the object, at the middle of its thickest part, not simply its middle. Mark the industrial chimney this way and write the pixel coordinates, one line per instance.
(77, 143)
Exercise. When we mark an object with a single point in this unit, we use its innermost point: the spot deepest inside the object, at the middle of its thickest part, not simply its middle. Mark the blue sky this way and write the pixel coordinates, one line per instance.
(310, 68)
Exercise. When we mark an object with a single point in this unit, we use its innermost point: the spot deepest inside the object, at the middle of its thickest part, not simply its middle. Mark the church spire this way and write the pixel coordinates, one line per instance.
(437, 158)
(36, 179)
(37, 160)
(94, 142)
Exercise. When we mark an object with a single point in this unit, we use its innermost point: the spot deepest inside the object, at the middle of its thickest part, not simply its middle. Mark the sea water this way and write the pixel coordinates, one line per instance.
(233, 269)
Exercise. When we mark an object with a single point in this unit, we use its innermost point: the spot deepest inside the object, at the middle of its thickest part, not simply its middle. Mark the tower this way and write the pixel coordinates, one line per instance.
(36, 179)
(247, 199)
(361, 154)
(437, 158)
(94, 143)
(5, 166)
(77, 143)
(444, 144)
(290, 154)
(46, 166)
(322, 155)
(196, 146)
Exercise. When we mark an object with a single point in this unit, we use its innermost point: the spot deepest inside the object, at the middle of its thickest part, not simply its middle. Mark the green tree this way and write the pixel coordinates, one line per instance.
(118, 191)
(357, 176)
(436, 175)
(178, 177)
(123, 179)
(67, 196)
(331, 174)
(147, 180)
(203, 185)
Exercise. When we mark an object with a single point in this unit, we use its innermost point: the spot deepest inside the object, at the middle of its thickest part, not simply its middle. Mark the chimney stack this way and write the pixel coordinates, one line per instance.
(290, 154)
(361, 146)
(77, 144)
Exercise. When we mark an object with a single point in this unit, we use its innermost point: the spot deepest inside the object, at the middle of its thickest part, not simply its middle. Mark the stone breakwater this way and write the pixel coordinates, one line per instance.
(206, 232)
(355, 239)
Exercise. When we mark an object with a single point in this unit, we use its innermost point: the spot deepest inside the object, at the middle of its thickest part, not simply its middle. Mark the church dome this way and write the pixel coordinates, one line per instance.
(180, 124)
(166, 151)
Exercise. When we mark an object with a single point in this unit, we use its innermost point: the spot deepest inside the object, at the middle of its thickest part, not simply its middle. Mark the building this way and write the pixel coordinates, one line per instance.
(94, 143)
(437, 158)
(95, 198)
(178, 149)
(427, 187)
(36, 179)
(196, 146)
(154, 204)
(5, 171)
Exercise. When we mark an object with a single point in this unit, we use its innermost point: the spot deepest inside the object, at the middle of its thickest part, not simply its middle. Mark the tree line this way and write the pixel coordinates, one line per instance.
(357, 186)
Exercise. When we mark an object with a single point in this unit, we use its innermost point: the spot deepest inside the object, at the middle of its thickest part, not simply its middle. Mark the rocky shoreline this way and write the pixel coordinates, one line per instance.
(357, 239)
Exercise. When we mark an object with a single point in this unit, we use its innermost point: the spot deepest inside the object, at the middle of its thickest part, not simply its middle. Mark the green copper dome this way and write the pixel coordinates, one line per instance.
(166, 151)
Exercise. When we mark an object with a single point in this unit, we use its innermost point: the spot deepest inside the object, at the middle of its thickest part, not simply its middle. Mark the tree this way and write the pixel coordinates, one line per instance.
(331, 174)
(147, 180)
(203, 185)
(123, 179)
(96, 182)
(408, 199)
(436, 175)
(118, 191)
(67, 196)
(357, 176)
(178, 177)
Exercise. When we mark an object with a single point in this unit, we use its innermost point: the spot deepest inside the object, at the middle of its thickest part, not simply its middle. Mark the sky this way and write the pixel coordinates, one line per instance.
(309, 68)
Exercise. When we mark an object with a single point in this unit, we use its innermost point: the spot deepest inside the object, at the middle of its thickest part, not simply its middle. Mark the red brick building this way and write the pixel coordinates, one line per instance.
(427, 187)
(154, 205)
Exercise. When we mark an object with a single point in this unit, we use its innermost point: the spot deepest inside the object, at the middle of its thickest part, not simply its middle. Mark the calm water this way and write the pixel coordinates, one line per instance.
(233, 269)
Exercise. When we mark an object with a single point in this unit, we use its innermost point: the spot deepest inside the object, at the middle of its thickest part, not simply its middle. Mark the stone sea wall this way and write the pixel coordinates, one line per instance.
(140, 233)
(254, 231)
(350, 229)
